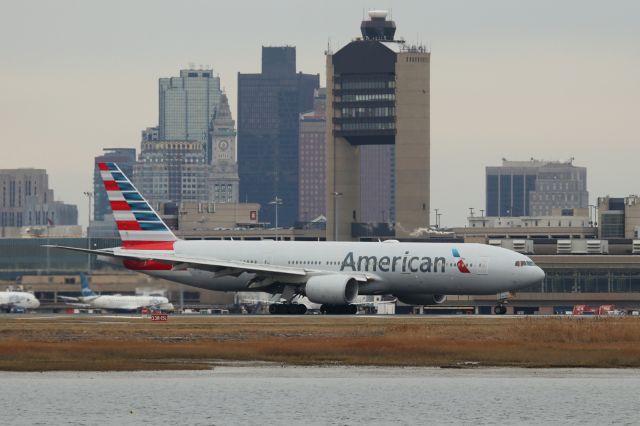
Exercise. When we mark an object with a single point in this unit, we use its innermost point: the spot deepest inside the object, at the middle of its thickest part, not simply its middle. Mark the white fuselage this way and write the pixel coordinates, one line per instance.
(18, 299)
(391, 267)
(127, 303)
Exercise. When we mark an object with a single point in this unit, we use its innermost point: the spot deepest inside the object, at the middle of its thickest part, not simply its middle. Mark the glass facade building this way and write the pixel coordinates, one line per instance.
(269, 106)
(534, 188)
(508, 191)
(187, 105)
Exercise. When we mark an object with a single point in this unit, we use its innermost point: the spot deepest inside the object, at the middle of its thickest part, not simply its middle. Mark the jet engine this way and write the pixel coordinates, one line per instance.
(332, 289)
(422, 299)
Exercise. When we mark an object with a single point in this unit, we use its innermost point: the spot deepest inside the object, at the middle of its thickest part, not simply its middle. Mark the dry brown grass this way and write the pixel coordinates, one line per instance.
(69, 343)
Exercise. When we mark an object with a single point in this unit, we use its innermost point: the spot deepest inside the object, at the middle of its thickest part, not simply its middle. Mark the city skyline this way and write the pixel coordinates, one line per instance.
(542, 80)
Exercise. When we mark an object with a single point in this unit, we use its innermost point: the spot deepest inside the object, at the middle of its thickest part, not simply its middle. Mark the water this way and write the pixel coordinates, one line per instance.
(324, 395)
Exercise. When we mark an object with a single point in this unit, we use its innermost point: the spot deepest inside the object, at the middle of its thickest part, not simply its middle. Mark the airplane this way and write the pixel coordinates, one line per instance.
(116, 302)
(331, 274)
(11, 301)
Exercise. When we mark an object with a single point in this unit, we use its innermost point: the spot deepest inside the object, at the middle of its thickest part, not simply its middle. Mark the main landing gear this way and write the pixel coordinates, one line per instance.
(287, 309)
(339, 309)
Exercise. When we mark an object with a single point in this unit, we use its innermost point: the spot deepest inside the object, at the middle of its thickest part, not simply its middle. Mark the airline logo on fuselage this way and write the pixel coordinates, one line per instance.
(404, 263)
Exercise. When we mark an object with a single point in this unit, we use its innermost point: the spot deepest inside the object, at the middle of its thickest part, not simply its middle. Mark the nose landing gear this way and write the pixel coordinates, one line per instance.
(503, 299)
(500, 309)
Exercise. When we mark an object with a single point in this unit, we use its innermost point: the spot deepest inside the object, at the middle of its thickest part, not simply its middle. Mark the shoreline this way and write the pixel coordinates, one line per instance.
(97, 343)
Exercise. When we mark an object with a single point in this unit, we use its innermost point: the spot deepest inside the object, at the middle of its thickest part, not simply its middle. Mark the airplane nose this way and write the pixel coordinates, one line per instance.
(539, 273)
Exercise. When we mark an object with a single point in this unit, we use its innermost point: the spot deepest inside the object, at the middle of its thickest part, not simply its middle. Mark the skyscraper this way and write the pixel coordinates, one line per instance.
(187, 106)
(191, 155)
(378, 100)
(312, 161)
(269, 105)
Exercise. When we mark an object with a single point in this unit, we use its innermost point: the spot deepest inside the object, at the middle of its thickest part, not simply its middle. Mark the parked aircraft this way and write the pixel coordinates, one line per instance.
(116, 302)
(332, 274)
(11, 301)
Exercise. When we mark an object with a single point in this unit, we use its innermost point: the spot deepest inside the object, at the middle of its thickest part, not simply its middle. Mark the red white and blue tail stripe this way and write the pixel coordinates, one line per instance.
(140, 227)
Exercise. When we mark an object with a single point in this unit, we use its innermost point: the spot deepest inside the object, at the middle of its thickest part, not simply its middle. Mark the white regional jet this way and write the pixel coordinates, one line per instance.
(116, 302)
(332, 274)
(12, 300)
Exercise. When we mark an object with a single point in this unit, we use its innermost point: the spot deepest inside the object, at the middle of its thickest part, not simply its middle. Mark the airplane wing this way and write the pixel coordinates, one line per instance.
(78, 305)
(69, 298)
(220, 266)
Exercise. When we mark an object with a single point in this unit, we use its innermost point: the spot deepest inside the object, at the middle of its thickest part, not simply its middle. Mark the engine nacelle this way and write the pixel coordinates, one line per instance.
(332, 289)
(422, 299)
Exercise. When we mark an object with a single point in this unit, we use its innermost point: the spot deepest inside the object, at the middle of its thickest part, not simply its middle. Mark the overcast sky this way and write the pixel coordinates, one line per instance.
(547, 79)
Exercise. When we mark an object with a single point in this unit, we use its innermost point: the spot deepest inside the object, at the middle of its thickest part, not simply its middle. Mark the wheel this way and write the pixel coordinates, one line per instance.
(273, 309)
(295, 308)
(323, 309)
(499, 310)
(352, 309)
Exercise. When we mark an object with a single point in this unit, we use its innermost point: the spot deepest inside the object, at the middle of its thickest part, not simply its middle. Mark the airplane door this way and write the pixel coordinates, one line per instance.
(481, 266)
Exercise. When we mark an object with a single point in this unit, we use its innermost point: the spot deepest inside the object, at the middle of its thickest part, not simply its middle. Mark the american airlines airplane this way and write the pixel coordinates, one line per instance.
(332, 274)
(116, 302)
(11, 300)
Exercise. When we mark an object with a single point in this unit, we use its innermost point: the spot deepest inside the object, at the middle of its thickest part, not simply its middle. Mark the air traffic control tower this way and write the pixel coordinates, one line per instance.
(378, 93)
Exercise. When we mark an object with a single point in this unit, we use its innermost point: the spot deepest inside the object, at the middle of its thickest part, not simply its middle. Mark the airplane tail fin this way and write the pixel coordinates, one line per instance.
(140, 227)
(84, 284)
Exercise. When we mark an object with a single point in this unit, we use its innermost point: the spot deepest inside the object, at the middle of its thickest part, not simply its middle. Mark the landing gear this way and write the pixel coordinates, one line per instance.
(503, 299)
(339, 309)
(287, 309)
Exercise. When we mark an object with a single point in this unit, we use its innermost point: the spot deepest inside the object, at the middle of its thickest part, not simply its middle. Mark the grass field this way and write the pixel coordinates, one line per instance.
(122, 344)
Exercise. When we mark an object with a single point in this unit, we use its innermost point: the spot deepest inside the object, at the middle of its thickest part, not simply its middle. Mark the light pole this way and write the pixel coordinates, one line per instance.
(89, 195)
(276, 202)
(437, 216)
(335, 214)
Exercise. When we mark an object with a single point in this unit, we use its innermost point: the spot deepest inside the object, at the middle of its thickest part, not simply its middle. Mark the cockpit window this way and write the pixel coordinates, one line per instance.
(520, 263)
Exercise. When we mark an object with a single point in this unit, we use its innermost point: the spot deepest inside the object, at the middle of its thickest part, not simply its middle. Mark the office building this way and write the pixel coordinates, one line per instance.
(535, 188)
(312, 162)
(378, 93)
(125, 158)
(172, 171)
(191, 156)
(27, 200)
(619, 217)
(269, 105)
(187, 106)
